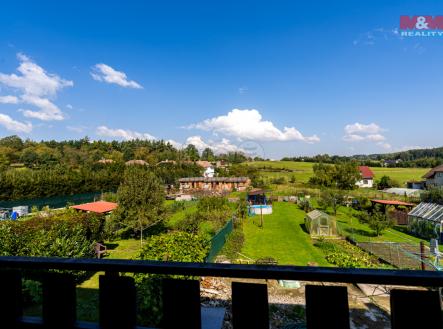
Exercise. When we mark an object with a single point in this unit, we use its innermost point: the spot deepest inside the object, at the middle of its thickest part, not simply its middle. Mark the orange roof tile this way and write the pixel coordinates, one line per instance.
(99, 207)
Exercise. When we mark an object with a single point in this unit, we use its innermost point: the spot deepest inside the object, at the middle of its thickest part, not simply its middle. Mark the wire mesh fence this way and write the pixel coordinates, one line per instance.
(219, 240)
(53, 202)
(400, 254)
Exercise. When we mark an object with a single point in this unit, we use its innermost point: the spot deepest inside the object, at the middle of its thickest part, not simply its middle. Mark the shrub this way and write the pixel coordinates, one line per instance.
(378, 221)
(176, 247)
(387, 182)
(362, 203)
(234, 244)
(63, 235)
(305, 205)
(211, 215)
(344, 254)
(278, 180)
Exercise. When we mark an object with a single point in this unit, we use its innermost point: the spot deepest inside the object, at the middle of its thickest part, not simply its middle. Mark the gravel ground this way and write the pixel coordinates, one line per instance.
(287, 306)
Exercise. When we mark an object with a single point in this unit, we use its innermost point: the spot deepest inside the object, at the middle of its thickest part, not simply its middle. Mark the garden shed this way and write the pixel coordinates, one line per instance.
(319, 223)
(425, 220)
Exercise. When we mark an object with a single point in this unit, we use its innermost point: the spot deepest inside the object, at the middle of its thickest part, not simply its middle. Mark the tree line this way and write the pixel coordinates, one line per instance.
(77, 153)
(420, 158)
(30, 169)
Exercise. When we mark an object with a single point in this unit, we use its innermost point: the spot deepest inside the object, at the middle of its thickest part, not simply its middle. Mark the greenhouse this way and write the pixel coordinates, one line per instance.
(319, 223)
(425, 220)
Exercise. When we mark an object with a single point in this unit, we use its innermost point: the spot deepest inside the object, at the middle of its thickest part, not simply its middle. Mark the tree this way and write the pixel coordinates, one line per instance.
(140, 199)
(208, 154)
(378, 221)
(386, 182)
(434, 195)
(14, 142)
(346, 175)
(192, 152)
(331, 198)
(341, 176)
(323, 175)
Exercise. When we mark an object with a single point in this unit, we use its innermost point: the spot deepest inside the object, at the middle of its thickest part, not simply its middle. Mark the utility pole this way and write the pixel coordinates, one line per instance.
(261, 216)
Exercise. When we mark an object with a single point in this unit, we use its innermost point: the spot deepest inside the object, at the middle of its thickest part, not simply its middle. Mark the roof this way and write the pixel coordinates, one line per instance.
(136, 162)
(203, 163)
(105, 161)
(314, 214)
(365, 172)
(214, 179)
(257, 191)
(99, 207)
(403, 191)
(428, 211)
(433, 171)
(393, 203)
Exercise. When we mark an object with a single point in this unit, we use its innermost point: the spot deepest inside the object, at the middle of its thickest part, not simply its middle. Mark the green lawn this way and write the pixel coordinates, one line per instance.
(302, 171)
(175, 218)
(282, 237)
(360, 232)
(401, 175)
(87, 292)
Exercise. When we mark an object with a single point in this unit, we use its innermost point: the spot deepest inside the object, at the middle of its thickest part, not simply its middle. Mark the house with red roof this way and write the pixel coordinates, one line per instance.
(367, 177)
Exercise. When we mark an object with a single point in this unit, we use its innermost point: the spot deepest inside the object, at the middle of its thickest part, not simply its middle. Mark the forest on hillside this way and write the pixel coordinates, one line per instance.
(30, 169)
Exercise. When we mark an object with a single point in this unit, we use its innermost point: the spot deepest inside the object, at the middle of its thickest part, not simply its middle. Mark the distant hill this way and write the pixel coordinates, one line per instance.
(422, 158)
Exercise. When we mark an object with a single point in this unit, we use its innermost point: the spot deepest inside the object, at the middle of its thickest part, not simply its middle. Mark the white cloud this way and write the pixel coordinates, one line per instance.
(353, 138)
(105, 73)
(36, 87)
(175, 144)
(380, 35)
(386, 146)
(359, 128)
(243, 90)
(358, 132)
(76, 129)
(122, 134)
(13, 125)
(8, 99)
(375, 137)
(248, 125)
(222, 146)
(69, 106)
(48, 110)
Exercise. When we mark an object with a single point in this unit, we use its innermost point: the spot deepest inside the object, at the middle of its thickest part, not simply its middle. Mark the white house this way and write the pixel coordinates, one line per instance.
(209, 172)
(367, 177)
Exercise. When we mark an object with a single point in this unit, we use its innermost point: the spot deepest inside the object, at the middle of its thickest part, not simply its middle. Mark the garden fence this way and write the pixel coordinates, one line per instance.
(219, 240)
(401, 255)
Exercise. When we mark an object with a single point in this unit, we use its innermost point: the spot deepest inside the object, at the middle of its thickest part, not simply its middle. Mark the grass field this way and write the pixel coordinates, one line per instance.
(282, 237)
(87, 292)
(360, 232)
(302, 171)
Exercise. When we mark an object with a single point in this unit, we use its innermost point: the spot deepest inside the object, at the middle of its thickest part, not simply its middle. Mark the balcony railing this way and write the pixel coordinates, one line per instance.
(326, 306)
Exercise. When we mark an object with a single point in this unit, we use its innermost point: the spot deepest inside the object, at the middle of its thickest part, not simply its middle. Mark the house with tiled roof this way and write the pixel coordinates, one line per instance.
(434, 177)
(367, 177)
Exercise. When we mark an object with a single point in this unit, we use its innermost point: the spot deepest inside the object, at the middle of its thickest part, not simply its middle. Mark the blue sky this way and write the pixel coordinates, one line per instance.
(294, 77)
